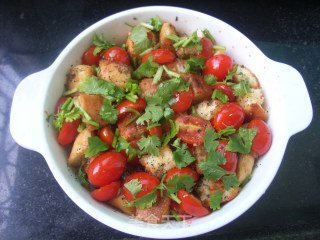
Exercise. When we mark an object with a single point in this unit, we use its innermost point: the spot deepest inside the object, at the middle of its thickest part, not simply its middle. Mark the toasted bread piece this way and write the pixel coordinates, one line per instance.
(244, 73)
(157, 213)
(119, 203)
(165, 42)
(77, 74)
(208, 108)
(79, 147)
(245, 166)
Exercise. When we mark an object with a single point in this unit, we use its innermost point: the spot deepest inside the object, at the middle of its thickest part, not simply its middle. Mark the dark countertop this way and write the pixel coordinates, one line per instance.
(33, 33)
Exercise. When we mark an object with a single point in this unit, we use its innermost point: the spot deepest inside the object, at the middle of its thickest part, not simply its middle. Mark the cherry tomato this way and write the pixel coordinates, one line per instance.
(227, 90)
(139, 105)
(88, 58)
(148, 183)
(160, 56)
(191, 205)
(106, 135)
(68, 132)
(263, 139)
(157, 130)
(183, 101)
(117, 54)
(191, 129)
(231, 114)
(231, 157)
(181, 214)
(219, 65)
(106, 168)
(206, 48)
(59, 104)
(106, 192)
(182, 171)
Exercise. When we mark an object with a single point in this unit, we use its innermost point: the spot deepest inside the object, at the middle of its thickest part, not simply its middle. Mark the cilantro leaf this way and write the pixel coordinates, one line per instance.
(134, 186)
(153, 113)
(215, 200)
(210, 139)
(82, 176)
(210, 79)
(156, 23)
(132, 90)
(229, 130)
(230, 181)
(174, 129)
(95, 146)
(183, 181)
(101, 43)
(68, 113)
(230, 73)
(207, 34)
(242, 88)
(210, 167)
(145, 201)
(146, 69)
(217, 94)
(242, 141)
(122, 144)
(139, 36)
(195, 64)
(108, 112)
(150, 145)
(182, 155)
(94, 85)
(166, 88)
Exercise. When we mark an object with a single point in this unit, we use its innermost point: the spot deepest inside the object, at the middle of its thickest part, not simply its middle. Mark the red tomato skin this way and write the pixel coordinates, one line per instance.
(106, 135)
(106, 192)
(117, 54)
(191, 128)
(160, 56)
(207, 46)
(185, 170)
(88, 58)
(231, 114)
(191, 205)
(106, 168)
(231, 157)
(139, 105)
(157, 130)
(219, 65)
(261, 143)
(148, 182)
(59, 104)
(183, 101)
(227, 90)
(68, 132)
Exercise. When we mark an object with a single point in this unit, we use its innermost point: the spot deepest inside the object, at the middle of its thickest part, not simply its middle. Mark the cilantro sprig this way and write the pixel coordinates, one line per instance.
(149, 145)
(95, 146)
(242, 141)
(182, 155)
(101, 43)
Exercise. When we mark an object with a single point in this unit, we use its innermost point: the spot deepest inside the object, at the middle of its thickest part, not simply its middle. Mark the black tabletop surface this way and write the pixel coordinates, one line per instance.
(33, 33)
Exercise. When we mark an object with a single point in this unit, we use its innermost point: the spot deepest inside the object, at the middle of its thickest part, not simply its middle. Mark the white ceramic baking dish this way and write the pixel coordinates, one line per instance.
(283, 87)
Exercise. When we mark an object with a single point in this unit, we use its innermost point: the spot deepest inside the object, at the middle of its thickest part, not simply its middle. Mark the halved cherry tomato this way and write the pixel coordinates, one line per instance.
(219, 65)
(231, 157)
(88, 58)
(191, 128)
(182, 171)
(106, 135)
(206, 48)
(68, 132)
(263, 139)
(227, 90)
(191, 205)
(117, 54)
(181, 214)
(60, 103)
(160, 56)
(106, 192)
(106, 168)
(139, 105)
(157, 130)
(148, 183)
(183, 101)
(231, 114)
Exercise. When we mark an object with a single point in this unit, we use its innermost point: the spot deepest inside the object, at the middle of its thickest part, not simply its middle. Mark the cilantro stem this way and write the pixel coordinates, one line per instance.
(115, 138)
(179, 43)
(171, 73)
(207, 34)
(146, 25)
(93, 123)
(70, 91)
(158, 75)
(173, 37)
(219, 47)
(67, 105)
(136, 115)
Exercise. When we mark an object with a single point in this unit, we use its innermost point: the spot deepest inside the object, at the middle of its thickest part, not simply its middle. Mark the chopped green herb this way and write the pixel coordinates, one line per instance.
(215, 200)
(139, 36)
(101, 43)
(82, 176)
(95, 146)
(174, 129)
(210, 79)
(242, 88)
(195, 64)
(146, 69)
(134, 186)
(207, 34)
(108, 113)
(183, 181)
(182, 155)
(217, 94)
(230, 181)
(150, 145)
(210, 139)
(132, 90)
(242, 141)
(156, 23)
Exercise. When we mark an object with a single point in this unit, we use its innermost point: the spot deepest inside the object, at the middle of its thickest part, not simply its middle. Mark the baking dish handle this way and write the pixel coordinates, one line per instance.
(26, 109)
(298, 109)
